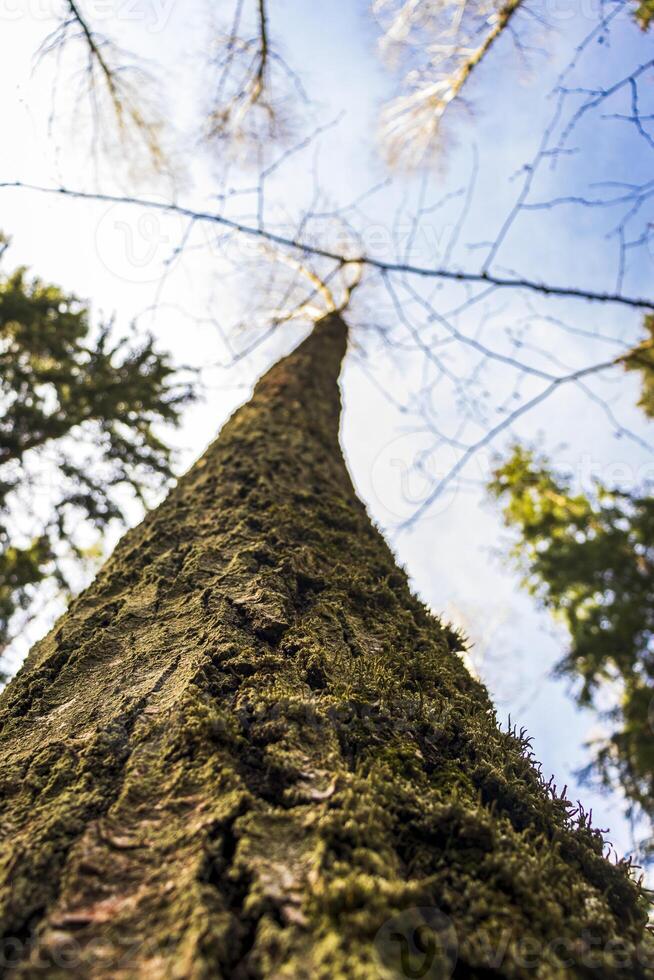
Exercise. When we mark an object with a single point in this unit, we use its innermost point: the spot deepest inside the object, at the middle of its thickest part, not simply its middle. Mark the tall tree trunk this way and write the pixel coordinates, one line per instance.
(248, 751)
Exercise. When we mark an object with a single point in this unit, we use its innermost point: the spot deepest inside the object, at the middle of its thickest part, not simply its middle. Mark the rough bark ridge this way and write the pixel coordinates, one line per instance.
(247, 746)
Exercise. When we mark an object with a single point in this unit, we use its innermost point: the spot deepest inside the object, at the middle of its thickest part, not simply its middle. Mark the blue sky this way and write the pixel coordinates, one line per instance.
(116, 256)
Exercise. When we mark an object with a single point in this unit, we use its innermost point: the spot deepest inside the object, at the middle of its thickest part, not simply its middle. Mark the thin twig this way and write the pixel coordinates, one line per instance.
(452, 275)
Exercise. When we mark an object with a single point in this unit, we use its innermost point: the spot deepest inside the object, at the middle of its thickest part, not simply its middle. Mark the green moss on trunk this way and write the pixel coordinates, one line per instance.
(247, 747)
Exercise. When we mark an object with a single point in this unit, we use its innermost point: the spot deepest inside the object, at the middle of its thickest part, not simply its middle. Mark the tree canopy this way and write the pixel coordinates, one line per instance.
(588, 556)
(80, 417)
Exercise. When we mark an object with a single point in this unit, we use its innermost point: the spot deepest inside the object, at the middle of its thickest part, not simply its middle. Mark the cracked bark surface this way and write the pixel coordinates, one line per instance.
(247, 746)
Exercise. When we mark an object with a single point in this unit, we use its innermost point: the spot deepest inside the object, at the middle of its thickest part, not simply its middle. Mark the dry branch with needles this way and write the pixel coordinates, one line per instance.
(439, 44)
(116, 90)
(253, 105)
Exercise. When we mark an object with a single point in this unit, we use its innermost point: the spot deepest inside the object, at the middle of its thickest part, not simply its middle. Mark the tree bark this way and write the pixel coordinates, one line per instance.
(248, 751)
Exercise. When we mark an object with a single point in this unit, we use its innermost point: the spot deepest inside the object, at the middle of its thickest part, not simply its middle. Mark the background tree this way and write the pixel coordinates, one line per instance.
(587, 556)
(80, 413)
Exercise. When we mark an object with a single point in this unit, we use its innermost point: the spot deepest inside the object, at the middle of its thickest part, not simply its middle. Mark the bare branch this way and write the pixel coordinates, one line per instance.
(120, 93)
(306, 248)
(443, 38)
(496, 430)
(250, 110)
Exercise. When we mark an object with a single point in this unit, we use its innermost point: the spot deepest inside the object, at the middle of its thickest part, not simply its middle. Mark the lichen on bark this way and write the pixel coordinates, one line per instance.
(247, 746)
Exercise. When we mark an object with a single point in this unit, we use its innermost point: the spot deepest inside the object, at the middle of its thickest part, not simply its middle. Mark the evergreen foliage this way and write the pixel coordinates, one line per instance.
(589, 557)
(79, 418)
(645, 13)
(641, 360)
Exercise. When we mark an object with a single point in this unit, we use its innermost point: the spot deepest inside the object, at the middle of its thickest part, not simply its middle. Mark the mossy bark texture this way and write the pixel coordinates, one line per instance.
(247, 749)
